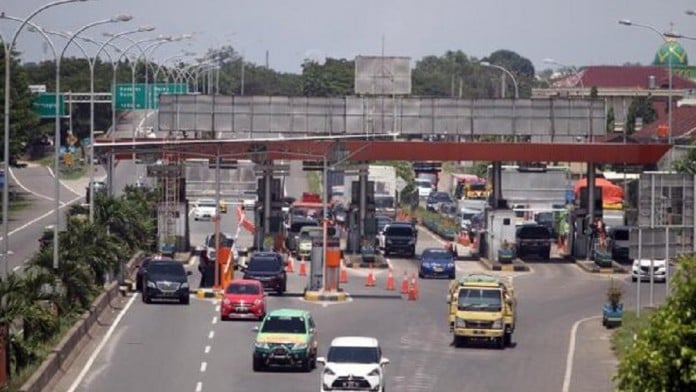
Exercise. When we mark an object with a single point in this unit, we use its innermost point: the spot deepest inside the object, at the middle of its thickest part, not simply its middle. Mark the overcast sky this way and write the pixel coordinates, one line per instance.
(571, 32)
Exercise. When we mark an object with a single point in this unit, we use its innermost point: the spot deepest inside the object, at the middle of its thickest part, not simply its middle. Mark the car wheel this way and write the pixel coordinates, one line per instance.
(507, 339)
(307, 365)
(257, 365)
(458, 341)
(453, 276)
(420, 275)
(147, 299)
(185, 301)
(634, 279)
(500, 343)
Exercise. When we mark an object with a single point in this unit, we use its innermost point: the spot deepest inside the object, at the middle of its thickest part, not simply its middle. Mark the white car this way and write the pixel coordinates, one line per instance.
(641, 269)
(204, 209)
(353, 363)
(424, 187)
(249, 199)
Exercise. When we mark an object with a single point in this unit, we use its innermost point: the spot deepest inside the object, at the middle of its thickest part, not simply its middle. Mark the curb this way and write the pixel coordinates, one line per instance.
(322, 296)
(515, 266)
(591, 267)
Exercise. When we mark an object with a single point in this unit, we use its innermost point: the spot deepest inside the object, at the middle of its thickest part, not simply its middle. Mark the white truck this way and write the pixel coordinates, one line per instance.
(384, 178)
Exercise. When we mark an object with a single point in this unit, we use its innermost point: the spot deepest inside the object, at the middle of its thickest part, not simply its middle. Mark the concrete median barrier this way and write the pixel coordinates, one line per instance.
(316, 296)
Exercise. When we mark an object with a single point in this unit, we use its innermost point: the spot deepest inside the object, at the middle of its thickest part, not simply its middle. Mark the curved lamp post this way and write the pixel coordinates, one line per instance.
(9, 47)
(514, 81)
(626, 22)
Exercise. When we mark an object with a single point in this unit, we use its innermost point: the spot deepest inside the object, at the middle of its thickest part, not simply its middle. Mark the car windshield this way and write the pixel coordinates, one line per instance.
(478, 299)
(424, 184)
(165, 268)
(401, 231)
(535, 232)
(278, 324)
(353, 355)
(264, 264)
(439, 196)
(242, 288)
(384, 202)
(438, 254)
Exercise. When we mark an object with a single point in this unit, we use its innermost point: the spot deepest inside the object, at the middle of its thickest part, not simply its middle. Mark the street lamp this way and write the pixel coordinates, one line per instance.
(161, 64)
(9, 48)
(626, 22)
(514, 81)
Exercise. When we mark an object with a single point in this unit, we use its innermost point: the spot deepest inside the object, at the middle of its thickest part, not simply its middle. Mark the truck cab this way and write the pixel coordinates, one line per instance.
(481, 308)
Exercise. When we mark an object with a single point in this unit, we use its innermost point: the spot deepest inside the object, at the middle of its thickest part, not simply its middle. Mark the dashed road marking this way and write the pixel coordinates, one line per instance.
(211, 335)
(207, 349)
(199, 386)
(204, 366)
(215, 320)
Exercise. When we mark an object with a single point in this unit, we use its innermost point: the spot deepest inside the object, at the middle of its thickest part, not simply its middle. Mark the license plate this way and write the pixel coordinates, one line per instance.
(241, 309)
(438, 269)
(350, 384)
(479, 332)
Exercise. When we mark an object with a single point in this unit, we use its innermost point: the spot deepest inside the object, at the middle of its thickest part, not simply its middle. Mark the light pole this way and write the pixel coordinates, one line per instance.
(9, 47)
(161, 64)
(514, 81)
(626, 22)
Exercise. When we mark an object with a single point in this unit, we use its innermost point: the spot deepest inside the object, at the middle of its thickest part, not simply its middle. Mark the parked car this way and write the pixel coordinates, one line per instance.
(269, 269)
(286, 337)
(436, 262)
(533, 239)
(619, 242)
(243, 299)
(400, 237)
(644, 268)
(435, 199)
(204, 209)
(353, 363)
(166, 279)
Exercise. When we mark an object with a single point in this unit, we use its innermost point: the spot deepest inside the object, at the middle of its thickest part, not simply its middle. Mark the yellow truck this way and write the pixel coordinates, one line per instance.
(481, 308)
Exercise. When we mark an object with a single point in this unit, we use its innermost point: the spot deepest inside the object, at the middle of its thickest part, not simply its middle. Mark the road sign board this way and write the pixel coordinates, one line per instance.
(124, 94)
(45, 105)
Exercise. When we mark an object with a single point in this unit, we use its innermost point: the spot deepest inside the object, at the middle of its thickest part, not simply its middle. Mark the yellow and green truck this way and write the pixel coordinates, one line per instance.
(481, 308)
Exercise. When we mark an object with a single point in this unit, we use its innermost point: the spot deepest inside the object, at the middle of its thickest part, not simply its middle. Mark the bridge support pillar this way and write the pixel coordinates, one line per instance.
(497, 184)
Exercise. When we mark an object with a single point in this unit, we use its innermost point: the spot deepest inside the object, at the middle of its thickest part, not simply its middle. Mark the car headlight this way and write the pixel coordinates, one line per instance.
(450, 265)
(374, 372)
(184, 285)
(151, 284)
(426, 265)
(226, 301)
(299, 346)
(459, 323)
(261, 345)
(258, 301)
(497, 324)
(329, 372)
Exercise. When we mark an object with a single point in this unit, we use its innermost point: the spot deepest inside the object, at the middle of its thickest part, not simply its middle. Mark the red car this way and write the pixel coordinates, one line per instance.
(243, 298)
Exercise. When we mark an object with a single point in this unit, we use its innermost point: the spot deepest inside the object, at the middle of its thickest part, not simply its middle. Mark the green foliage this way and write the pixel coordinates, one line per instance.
(334, 78)
(663, 355)
(640, 107)
(687, 164)
(611, 120)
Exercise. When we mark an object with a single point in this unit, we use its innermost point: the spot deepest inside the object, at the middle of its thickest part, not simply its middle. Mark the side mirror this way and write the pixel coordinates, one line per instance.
(255, 329)
(312, 330)
(321, 360)
(384, 361)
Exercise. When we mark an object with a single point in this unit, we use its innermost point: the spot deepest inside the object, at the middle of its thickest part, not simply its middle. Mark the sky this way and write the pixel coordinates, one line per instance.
(573, 33)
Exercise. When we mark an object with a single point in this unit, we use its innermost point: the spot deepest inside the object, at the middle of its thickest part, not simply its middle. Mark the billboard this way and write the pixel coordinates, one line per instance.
(382, 75)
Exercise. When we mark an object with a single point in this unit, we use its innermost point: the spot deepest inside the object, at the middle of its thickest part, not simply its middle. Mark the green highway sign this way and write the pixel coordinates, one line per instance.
(45, 105)
(133, 96)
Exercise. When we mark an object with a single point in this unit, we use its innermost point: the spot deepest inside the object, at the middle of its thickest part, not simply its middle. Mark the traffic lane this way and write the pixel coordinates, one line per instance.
(156, 347)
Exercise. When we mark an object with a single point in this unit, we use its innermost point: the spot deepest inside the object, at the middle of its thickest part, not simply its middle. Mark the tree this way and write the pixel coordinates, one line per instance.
(640, 107)
(611, 120)
(663, 355)
(23, 120)
(334, 78)
(687, 164)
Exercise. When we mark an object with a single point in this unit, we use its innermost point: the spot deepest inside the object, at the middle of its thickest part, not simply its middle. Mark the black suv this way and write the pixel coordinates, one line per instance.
(400, 237)
(165, 279)
(533, 239)
(269, 269)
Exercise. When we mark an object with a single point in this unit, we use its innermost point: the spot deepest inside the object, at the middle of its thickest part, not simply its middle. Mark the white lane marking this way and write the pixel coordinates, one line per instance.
(211, 335)
(215, 320)
(31, 222)
(571, 352)
(96, 352)
(199, 386)
(217, 308)
(19, 184)
(204, 365)
(207, 349)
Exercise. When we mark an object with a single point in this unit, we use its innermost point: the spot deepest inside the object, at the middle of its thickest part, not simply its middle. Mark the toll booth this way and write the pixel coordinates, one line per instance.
(317, 269)
(501, 231)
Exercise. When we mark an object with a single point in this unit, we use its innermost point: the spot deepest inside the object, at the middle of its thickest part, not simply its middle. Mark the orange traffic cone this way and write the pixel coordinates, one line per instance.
(303, 267)
(370, 279)
(464, 239)
(344, 275)
(390, 281)
(290, 266)
(404, 284)
(413, 290)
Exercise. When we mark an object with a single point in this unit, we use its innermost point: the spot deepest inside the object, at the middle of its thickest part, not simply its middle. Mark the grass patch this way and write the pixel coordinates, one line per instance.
(622, 338)
(78, 170)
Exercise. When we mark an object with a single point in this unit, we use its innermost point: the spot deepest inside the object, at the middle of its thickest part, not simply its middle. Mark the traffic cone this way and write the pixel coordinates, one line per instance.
(344, 275)
(370, 279)
(464, 239)
(413, 290)
(390, 281)
(303, 267)
(290, 267)
(404, 284)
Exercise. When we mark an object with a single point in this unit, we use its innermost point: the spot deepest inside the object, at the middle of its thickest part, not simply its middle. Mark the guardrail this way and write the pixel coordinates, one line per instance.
(60, 357)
